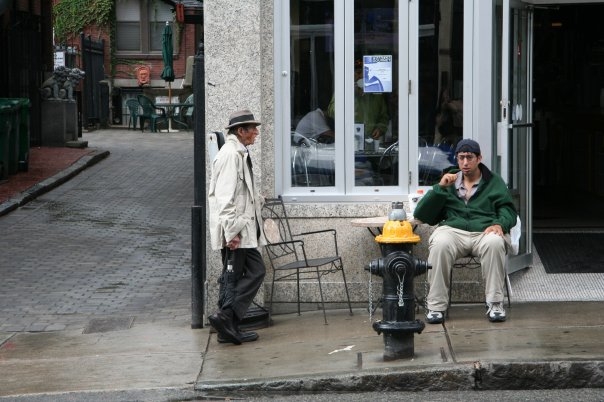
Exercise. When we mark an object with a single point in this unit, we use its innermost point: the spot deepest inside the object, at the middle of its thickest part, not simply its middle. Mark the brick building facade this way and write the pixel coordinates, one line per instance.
(134, 42)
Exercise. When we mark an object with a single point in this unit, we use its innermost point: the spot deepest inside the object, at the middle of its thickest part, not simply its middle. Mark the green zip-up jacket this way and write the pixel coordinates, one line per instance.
(491, 204)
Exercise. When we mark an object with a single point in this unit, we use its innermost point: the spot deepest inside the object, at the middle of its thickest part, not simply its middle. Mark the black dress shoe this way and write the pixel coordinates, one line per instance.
(244, 336)
(222, 321)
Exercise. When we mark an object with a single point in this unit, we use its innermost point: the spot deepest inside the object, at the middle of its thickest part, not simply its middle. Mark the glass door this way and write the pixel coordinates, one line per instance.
(514, 128)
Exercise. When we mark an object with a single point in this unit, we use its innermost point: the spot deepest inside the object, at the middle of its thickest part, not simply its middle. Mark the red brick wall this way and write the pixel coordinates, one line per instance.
(126, 70)
(187, 48)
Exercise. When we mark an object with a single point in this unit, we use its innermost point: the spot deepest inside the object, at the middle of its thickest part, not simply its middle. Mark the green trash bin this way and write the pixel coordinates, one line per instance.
(24, 134)
(6, 121)
(13, 138)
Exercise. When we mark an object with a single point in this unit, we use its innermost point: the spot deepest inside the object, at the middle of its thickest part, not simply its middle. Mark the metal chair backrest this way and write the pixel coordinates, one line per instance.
(299, 257)
(277, 229)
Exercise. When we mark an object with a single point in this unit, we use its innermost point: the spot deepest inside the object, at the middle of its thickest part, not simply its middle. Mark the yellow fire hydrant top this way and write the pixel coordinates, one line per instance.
(397, 232)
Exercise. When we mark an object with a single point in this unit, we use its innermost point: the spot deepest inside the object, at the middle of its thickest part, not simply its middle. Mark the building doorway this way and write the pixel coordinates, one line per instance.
(568, 139)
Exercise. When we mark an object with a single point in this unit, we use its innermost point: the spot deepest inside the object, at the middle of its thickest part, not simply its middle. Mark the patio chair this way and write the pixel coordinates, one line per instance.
(133, 109)
(151, 112)
(185, 113)
(292, 259)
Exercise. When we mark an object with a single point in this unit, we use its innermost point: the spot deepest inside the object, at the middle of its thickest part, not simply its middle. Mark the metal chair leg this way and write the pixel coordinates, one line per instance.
(346, 286)
(321, 292)
(270, 310)
(298, 288)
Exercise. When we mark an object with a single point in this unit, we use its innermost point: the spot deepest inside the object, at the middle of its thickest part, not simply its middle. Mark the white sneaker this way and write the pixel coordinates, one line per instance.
(434, 317)
(496, 312)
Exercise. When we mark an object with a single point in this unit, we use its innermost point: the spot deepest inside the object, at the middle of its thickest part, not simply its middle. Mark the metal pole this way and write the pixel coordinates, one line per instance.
(198, 211)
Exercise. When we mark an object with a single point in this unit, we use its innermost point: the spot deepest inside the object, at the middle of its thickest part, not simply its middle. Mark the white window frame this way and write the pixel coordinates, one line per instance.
(476, 117)
(344, 189)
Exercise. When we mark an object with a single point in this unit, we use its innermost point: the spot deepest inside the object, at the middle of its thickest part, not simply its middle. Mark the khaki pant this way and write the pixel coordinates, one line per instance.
(447, 244)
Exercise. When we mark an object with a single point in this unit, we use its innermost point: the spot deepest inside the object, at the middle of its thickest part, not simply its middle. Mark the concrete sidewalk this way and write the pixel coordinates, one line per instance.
(541, 346)
(151, 361)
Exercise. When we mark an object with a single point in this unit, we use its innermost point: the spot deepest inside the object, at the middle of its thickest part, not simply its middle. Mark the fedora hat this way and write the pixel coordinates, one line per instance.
(240, 118)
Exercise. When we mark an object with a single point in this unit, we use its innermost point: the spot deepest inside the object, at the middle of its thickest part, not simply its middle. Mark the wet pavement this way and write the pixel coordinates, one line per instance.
(95, 305)
(531, 350)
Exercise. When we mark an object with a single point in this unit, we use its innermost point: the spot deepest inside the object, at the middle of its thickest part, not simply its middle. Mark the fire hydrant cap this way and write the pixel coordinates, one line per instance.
(397, 232)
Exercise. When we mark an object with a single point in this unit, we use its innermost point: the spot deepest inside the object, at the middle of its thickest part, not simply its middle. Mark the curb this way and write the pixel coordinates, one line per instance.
(153, 394)
(471, 376)
(52, 182)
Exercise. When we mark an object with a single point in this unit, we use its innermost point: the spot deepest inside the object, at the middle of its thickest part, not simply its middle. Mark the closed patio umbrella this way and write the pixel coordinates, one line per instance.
(167, 73)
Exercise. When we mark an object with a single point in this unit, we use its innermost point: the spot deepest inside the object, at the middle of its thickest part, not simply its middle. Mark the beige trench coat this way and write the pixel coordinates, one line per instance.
(234, 203)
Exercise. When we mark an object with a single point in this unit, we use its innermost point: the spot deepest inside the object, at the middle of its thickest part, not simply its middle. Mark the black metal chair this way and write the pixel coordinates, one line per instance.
(290, 257)
(472, 262)
(151, 112)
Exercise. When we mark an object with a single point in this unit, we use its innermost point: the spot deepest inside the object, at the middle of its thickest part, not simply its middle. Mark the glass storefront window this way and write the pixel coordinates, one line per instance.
(350, 54)
(440, 98)
(374, 85)
(312, 87)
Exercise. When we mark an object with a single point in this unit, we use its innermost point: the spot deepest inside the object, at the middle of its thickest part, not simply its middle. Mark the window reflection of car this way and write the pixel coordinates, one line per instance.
(313, 163)
(432, 161)
(317, 126)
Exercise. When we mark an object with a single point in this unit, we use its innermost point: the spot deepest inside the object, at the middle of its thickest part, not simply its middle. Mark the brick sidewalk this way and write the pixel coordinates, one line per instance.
(44, 162)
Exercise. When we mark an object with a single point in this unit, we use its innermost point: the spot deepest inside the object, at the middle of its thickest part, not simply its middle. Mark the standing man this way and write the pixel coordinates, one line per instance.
(475, 212)
(236, 227)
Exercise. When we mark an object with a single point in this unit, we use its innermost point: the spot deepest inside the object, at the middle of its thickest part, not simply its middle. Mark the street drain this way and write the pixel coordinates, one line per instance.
(97, 325)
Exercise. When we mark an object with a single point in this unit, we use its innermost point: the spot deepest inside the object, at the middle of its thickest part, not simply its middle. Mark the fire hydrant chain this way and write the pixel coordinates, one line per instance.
(399, 290)
(426, 291)
(370, 299)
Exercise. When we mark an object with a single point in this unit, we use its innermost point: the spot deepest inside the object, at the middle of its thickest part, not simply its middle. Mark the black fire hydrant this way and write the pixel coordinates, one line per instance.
(398, 267)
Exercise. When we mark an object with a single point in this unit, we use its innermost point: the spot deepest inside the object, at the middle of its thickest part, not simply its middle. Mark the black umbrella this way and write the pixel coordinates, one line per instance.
(167, 73)
(226, 291)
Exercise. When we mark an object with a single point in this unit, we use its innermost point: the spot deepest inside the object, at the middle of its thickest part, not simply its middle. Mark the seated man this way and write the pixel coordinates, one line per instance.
(475, 212)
